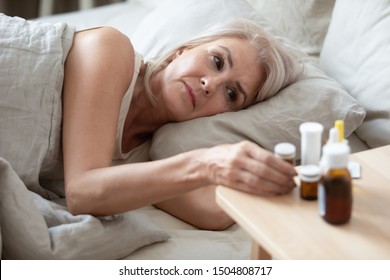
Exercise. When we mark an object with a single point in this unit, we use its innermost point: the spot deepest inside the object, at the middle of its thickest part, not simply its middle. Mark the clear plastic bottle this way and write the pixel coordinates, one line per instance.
(335, 188)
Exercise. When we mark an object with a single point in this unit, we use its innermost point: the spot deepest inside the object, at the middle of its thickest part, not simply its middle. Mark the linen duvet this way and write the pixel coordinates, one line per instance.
(34, 220)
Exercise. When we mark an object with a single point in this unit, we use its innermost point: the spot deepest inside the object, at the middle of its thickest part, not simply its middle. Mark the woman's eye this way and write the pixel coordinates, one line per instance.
(218, 62)
(232, 95)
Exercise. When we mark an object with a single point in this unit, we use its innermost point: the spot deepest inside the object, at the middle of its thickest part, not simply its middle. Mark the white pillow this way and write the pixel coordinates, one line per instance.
(304, 22)
(356, 53)
(177, 21)
(315, 97)
(124, 16)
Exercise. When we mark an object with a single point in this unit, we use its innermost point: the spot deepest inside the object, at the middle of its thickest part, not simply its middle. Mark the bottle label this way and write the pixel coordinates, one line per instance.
(321, 200)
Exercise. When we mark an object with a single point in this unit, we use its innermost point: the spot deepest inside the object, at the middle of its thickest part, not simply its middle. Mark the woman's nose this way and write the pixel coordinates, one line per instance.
(208, 85)
(205, 85)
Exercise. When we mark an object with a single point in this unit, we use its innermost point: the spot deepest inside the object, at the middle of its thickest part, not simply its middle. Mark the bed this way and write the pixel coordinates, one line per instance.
(36, 225)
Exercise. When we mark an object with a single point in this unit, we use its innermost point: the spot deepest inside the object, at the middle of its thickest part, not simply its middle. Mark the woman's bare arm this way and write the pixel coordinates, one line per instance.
(98, 72)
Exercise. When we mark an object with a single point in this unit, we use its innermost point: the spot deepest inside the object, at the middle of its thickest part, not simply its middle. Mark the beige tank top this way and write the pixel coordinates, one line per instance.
(125, 109)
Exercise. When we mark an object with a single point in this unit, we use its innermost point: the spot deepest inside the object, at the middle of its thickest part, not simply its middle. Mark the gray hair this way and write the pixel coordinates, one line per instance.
(279, 65)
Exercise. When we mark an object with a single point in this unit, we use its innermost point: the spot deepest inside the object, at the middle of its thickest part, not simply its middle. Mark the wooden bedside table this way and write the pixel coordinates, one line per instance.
(287, 227)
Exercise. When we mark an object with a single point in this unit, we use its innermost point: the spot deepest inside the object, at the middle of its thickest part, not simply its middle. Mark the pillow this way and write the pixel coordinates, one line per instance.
(357, 53)
(159, 30)
(315, 97)
(124, 16)
(304, 22)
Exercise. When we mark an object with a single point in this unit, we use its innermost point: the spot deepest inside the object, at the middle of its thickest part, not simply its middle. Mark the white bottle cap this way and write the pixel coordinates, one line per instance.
(285, 150)
(310, 173)
(336, 155)
(311, 135)
(333, 135)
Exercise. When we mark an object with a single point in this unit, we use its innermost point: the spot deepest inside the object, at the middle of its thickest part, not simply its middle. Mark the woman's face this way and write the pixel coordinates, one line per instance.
(220, 76)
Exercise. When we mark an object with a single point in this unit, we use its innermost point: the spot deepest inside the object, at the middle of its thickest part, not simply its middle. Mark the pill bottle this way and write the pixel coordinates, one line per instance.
(335, 187)
(309, 176)
(286, 151)
(311, 135)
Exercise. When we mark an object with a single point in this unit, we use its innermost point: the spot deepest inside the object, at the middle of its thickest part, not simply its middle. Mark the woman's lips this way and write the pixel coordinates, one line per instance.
(191, 94)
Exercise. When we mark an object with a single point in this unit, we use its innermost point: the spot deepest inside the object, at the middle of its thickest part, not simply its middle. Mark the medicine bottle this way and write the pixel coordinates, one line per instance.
(335, 188)
(286, 151)
(311, 135)
(309, 176)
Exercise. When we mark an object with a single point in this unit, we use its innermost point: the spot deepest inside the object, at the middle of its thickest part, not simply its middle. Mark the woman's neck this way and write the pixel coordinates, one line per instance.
(143, 117)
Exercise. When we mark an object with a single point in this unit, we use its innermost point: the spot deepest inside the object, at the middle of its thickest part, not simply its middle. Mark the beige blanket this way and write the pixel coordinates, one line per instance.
(34, 221)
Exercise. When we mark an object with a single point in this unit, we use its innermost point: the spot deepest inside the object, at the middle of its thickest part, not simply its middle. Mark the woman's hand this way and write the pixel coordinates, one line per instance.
(247, 167)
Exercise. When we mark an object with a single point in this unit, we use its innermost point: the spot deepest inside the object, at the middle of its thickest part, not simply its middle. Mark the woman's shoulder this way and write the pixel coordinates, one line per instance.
(106, 41)
(104, 34)
(104, 51)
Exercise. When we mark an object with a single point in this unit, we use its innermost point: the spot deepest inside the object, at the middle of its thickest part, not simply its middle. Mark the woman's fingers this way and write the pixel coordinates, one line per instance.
(247, 167)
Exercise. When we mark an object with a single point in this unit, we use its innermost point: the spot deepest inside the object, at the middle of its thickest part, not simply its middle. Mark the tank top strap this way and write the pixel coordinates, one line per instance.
(126, 100)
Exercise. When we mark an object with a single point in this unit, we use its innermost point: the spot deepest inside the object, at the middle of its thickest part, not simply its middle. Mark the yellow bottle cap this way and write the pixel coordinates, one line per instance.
(339, 125)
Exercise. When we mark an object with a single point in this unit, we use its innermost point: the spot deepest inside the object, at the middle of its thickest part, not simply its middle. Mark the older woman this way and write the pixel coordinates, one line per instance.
(113, 102)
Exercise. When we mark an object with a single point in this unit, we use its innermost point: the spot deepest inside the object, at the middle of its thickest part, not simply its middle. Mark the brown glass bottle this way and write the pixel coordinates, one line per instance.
(335, 188)
(309, 176)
